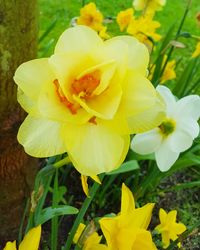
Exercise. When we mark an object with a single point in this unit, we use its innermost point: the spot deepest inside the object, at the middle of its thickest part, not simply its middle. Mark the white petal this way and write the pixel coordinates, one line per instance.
(165, 157)
(146, 143)
(41, 137)
(188, 106)
(168, 97)
(189, 125)
(180, 141)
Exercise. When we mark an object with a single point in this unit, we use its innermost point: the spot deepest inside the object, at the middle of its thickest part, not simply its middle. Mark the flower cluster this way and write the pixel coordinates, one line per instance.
(129, 229)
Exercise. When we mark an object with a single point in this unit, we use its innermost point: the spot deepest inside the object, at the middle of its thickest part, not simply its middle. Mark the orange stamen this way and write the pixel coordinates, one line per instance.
(71, 106)
(86, 85)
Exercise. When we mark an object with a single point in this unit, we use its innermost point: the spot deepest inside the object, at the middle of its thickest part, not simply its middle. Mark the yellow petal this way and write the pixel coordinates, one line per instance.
(52, 108)
(31, 240)
(78, 233)
(162, 216)
(96, 178)
(28, 104)
(105, 105)
(31, 76)
(179, 228)
(80, 39)
(144, 241)
(85, 185)
(10, 246)
(141, 217)
(94, 148)
(171, 216)
(41, 137)
(138, 55)
(127, 200)
(138, 94)
(109, 227)
(149, 118)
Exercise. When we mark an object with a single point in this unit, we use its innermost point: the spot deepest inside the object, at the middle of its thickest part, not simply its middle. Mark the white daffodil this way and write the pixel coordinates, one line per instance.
(175, 134)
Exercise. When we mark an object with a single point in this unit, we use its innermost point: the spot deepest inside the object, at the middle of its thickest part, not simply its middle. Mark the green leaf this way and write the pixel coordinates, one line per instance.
(49, 213)
(125, 167)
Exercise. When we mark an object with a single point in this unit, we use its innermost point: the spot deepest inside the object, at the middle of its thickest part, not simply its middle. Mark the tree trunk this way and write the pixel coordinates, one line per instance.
(18, 43)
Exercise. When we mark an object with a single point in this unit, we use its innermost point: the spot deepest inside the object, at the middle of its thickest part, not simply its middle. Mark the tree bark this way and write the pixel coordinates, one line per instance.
(18, 43)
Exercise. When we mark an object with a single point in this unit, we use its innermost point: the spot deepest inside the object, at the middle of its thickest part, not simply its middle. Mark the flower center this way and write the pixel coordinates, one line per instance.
(167, 127)
(73, 107)
(84, 86)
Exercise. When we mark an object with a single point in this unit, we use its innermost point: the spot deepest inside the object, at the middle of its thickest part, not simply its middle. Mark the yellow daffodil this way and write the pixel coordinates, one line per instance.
(124, 18)
(168, 226)
(128, 230)
(85, 184)
(88, 238)
(169, 72)
(144, 27)
(90, 16)
(30, 242)
(197, 51)
(149, 6)
(86, 100)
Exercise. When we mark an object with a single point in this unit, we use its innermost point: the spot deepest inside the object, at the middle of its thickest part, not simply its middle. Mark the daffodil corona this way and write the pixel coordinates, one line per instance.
(175, 134)
(86, 100)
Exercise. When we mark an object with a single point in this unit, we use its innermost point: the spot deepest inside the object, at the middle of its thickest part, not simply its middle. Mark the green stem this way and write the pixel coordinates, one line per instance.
(54, 221)
(81, 214)
(62, 162)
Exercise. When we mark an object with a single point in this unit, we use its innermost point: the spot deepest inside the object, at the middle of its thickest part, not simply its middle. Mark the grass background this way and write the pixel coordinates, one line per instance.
(59, 14)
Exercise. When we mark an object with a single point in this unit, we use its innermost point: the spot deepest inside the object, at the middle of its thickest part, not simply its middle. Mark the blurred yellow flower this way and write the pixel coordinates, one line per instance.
(30, 242)
(169, 72)
(168, 227)
(128, 230)
(90, 16)
(88, 238)
(197, 50)
(86, 100)
(144, 27)
(124, 18)
(149, 6)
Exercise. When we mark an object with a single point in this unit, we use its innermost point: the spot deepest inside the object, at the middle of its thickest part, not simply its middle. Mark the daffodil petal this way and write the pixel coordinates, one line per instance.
(31, 76)
(52, 108)
(78, 233)
(105, 105)
(80, 39)
(143, 241)
(168, 98)
(85, 185)
(146, 143)
(162, 216)
(180, 141)
(109, 227)
(165, 157)
(93, 148)
(190, 126)
(96, 178)
(138, 55)
(10, 246)
(31, 240)
(127, 200)
(28, 104)
(149, 118)
(189, 106)
(34, 135)
(179, 228)
(138, 94)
